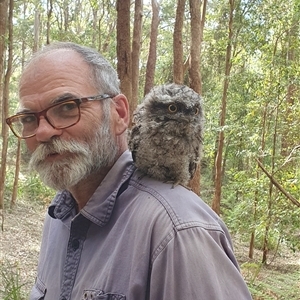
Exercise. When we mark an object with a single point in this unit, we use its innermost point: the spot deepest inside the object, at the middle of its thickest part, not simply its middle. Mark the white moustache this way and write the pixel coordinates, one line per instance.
(56, 147)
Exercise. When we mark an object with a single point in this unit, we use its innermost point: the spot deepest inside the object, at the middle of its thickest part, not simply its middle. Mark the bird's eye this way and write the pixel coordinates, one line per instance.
(196, 111)
(172, 108)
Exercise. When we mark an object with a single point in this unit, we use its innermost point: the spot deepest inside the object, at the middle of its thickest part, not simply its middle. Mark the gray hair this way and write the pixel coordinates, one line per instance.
(104, 76)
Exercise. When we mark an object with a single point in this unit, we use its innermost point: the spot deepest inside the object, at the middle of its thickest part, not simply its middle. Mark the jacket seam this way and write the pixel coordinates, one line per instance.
(178, 224)
(176, 220)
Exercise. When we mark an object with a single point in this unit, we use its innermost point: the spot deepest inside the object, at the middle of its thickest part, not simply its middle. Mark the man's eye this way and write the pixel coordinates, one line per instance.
(28, 119)
(66, 107)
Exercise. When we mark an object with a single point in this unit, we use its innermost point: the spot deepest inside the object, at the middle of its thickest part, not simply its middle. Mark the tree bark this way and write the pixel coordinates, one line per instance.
(151, 62)
(95, 25)
(194, 71)
(124, 66)
(16, 179)
(270, 196)
(36, 30)
(197, 24)
(178, 66)
(49, 15)
(219, 157)
(256, 194)
(136, 50)
(10, 7)
(3, 32)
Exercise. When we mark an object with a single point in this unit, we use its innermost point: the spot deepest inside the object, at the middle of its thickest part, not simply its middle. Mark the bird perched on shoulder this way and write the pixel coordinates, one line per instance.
(166, 138)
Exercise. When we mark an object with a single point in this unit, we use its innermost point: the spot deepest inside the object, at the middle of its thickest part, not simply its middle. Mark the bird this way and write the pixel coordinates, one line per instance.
(166, 137)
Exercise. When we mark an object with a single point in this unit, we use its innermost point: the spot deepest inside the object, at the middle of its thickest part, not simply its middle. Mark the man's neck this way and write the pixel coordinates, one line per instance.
(84, 190)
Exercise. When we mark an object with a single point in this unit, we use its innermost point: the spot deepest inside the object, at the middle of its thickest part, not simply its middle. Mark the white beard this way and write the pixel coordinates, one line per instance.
(85, 158)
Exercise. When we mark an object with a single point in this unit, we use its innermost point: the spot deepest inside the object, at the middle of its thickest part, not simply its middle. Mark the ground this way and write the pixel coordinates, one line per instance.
(278, 279)
(20, 242)
(19, 245)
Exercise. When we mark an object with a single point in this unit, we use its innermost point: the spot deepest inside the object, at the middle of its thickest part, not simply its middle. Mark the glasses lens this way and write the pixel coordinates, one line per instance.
(24, 125)
(64, 114)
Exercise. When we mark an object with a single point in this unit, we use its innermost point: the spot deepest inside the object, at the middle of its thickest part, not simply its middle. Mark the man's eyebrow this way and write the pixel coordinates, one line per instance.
(22, 110)
(64, 97)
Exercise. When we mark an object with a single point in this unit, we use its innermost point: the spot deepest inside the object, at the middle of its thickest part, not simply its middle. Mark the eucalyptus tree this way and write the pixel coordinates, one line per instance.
(151, 61)
(178, 60)
(124, 65)
(257, 122)
(135, 53)
(4, 103)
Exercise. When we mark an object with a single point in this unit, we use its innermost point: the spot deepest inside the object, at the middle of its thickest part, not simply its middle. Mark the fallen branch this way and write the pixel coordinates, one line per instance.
(279, 187)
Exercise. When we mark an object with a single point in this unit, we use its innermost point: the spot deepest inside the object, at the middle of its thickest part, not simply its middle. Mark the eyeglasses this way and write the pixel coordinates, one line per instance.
(59, 115)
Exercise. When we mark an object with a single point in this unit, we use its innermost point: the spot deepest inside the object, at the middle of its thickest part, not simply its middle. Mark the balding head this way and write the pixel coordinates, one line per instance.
(102, 74)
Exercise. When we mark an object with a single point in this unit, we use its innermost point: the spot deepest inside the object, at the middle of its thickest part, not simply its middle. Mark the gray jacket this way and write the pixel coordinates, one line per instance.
(136, 239)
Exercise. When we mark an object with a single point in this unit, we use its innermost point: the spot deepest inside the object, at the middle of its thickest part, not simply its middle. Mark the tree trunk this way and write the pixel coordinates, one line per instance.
(3, 29)
(204, 5)
(36, 30)
(95, 27)
(5, 106)
(136, 50)
(194, 71)
(151, 62)
(218, 163)
(256, 195)
(49, 15)
(270, 198)
(178, 66)
(66, 15)
(197, 24)
(124, 66)
(16, 179)
(292, 87)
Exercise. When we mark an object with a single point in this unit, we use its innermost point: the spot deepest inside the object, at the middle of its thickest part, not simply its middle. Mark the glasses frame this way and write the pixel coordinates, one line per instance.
(78, 101)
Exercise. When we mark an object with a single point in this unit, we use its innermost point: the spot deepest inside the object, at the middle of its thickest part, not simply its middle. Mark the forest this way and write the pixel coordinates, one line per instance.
(242, 56)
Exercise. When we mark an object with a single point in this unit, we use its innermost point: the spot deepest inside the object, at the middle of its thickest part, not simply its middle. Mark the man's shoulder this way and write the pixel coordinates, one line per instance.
(182, 205)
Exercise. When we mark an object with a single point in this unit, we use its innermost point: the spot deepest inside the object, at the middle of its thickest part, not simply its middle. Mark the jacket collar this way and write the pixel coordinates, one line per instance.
(100, 206)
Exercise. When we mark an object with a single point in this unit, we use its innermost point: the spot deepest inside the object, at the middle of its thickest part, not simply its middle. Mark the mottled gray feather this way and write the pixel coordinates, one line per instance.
(166, 138)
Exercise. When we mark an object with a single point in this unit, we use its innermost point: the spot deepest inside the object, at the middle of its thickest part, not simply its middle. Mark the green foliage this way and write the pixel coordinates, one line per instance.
(251, 271)
(31, 187)
(270, 283)
(11, 282)
(260, 122)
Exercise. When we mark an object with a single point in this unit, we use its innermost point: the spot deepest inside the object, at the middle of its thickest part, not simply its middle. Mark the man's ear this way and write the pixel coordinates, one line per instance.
(120, 114)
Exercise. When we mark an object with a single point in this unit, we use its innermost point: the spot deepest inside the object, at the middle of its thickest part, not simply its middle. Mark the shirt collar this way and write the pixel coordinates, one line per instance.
(99, 207)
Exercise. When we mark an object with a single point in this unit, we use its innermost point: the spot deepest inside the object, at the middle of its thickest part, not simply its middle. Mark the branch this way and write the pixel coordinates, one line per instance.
(279, 187)
(289, 158)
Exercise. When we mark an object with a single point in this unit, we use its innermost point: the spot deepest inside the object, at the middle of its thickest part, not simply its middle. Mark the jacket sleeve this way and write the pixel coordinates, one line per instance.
(197, 263)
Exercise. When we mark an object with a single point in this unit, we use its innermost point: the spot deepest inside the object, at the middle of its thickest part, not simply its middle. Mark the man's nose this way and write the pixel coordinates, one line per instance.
(45, 131)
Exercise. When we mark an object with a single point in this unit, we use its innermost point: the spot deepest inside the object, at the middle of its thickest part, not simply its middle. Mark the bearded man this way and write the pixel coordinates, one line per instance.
(111, 232)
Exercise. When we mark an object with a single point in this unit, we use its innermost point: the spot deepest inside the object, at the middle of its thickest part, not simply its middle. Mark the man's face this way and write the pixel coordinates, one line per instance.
(63, 157)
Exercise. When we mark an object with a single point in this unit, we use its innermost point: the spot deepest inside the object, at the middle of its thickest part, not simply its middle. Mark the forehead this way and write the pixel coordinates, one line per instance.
(53, 74)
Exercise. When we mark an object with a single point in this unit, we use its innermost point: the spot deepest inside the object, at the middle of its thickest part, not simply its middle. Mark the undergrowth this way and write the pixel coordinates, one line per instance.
(268, 282)
(11, 287)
